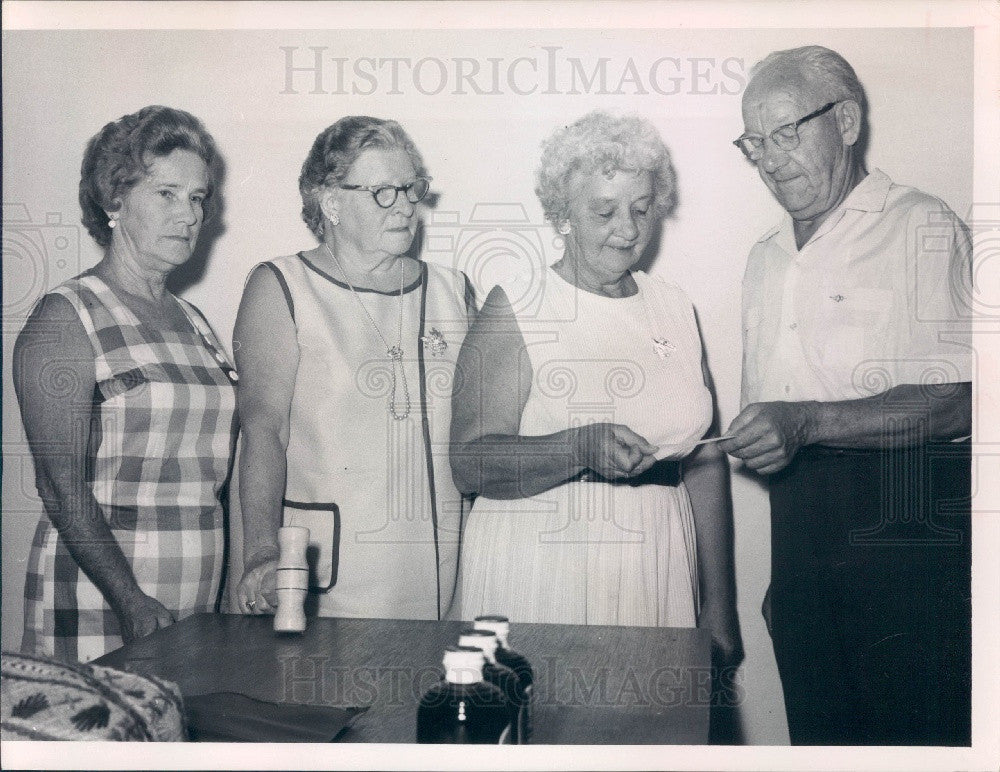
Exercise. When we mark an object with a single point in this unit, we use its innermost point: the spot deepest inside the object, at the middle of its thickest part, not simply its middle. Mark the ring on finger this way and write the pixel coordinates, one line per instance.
(251, 604)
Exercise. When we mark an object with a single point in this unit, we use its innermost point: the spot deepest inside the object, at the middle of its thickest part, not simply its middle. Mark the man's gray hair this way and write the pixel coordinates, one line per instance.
(821, 66)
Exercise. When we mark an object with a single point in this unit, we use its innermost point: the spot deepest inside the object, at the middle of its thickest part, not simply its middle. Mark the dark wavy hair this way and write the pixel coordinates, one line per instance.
(118, 156)
(334, 152)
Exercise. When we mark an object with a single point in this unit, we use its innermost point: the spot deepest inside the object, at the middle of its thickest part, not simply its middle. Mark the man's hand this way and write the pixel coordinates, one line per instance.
(767, 435)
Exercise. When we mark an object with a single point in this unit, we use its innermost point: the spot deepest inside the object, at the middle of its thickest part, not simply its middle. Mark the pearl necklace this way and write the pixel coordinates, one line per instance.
(394, 353)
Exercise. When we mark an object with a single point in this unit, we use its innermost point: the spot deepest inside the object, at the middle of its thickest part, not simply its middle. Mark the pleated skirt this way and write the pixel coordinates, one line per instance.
(584, 553)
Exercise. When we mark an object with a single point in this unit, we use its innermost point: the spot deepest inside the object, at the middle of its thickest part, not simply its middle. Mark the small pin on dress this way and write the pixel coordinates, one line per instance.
(663, 347)
(434, 342)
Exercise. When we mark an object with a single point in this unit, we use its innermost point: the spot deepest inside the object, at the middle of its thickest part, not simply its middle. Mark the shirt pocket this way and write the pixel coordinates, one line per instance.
(856, 306)
(852, 331)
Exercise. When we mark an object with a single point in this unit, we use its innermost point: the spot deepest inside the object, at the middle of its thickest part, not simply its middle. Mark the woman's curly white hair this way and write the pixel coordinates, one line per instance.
(601, 142)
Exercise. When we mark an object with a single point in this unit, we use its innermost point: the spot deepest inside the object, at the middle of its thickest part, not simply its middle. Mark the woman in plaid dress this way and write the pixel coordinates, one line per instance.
(128, 403)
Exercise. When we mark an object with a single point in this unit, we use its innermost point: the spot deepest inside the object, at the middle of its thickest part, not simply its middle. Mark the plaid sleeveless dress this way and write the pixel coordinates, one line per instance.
(162, 429)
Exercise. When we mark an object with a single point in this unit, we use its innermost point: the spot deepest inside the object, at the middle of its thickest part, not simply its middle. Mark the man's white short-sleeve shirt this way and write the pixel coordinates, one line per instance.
(879, 296)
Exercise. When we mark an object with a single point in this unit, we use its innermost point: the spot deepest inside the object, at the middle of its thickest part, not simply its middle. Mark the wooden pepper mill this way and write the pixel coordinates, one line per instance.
(292, 579)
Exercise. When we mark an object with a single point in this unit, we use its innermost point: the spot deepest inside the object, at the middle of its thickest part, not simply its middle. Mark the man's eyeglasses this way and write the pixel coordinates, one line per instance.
(785, 137)
(385, 195)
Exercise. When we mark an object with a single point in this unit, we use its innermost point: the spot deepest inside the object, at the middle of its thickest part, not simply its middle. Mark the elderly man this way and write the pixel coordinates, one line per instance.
(857, 406)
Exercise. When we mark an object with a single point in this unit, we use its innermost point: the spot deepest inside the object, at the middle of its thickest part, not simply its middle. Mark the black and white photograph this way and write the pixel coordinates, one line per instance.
(388, 382)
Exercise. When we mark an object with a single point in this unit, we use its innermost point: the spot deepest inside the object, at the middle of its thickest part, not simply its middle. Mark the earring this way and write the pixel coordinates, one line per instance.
(112, 222)
(335, 219)
(564, 228)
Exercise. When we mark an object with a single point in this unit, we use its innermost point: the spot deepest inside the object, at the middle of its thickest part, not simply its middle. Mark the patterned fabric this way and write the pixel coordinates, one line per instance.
(161, 434)
(594, 552)
(45, 700)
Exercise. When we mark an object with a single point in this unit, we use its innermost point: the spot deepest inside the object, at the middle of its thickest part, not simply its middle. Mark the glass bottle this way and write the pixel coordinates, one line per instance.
(499, 675)
(516, 662)
(463, 708)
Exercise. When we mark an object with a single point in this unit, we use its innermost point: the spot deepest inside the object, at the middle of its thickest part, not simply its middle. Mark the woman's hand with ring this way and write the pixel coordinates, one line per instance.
(256, 593)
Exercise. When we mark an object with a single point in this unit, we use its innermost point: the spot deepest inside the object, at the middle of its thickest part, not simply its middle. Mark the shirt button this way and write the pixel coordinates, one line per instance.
(793, 326)
(788, 389)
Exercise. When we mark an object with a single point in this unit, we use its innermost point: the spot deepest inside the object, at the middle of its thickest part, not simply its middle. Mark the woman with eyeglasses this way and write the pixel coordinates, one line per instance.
(347, 359)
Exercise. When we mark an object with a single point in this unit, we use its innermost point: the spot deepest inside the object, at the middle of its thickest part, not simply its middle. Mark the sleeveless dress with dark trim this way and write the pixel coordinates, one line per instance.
(388, 483)
(163, 426)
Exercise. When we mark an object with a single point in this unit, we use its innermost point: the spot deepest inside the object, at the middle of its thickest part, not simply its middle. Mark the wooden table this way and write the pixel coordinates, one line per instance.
(594, 685)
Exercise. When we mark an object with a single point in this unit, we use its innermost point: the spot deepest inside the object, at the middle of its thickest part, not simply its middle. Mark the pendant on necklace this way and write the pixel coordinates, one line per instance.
(396, 357)
(663, 347)
(434, 341)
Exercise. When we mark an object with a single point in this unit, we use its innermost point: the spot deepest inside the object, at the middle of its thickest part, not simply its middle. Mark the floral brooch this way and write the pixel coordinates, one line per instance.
(663, 347)
(434, 342)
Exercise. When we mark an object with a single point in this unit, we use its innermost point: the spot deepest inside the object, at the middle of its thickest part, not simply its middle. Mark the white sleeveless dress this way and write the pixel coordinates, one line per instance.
(387, 484)
(596, 552)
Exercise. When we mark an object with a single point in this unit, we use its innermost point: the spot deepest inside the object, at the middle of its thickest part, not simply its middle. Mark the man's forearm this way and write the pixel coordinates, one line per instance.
(903, 415)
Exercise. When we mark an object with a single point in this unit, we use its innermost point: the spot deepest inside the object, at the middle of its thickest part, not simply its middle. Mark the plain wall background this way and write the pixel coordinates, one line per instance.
(61, 87)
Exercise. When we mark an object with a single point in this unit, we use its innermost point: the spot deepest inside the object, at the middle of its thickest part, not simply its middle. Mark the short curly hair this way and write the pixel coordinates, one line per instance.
(601, 142)
(118, 156)
(334, 152)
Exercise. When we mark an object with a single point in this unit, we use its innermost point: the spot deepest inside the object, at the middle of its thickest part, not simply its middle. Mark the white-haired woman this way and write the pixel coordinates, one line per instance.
(585, 389)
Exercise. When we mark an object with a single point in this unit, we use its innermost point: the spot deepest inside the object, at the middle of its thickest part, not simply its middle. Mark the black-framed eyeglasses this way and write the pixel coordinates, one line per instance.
(784, 137)
(385, 195)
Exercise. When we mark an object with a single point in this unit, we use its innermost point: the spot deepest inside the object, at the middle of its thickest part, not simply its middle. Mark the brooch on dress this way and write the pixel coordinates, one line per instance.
(663, 347)
(434, 341)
